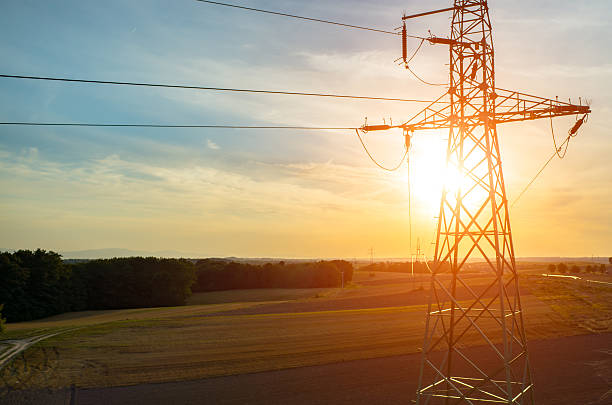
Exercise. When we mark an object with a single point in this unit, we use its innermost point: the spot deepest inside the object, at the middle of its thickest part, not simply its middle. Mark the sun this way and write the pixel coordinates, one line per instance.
(428, 172)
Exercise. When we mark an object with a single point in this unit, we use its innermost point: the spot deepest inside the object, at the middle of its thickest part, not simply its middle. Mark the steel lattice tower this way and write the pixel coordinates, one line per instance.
(473, 221)
(475, 349)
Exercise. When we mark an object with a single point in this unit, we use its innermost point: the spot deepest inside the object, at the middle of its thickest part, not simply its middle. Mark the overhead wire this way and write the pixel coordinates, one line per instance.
(409, 207)
(192, 87)
(407, 66)
(556, 153)
(304, 18)
(416, 51)
(424, 81)
(417, 76)
(535, 177)
(557, 149)
(374, 160)
(87, 124)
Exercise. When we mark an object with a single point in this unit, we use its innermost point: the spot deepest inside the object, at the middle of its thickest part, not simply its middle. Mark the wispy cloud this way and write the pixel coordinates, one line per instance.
(212, 145)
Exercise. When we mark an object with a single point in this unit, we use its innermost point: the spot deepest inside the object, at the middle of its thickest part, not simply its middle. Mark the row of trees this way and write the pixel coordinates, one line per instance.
(39, 284)
(403, 267)
(215, 274)
(563, 268)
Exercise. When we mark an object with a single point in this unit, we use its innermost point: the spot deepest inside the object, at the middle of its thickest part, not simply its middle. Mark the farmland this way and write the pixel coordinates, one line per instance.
(249, 331)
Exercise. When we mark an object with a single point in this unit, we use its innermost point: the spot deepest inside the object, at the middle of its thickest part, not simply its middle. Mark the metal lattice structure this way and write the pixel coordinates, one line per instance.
(474, 220)
(475, 349)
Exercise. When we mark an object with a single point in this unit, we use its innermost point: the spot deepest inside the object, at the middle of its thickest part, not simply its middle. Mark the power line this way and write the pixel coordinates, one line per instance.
(424, 81)
(303, 18)
(192, 87)
(533, 179)
(412, 71)
(87, 124)
(571, 134)
(415, 52)
(374, 160)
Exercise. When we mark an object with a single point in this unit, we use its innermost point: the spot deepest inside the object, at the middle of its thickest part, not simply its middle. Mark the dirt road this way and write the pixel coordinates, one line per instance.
(17, 346)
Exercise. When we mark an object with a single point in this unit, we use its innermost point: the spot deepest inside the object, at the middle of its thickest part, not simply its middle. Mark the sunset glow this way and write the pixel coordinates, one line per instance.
(282, 193)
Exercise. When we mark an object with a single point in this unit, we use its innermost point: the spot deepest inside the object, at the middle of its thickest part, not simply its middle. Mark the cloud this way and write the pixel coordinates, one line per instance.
(115, 186)
(566, 71)
(212, 145)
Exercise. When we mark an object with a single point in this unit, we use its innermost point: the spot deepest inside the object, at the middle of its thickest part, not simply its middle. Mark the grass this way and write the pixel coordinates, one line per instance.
(582, 305)
(181, 343)
(177, 349)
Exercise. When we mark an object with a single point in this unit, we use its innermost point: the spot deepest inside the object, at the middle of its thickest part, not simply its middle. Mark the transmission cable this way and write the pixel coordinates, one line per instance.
(87, 124)
(374, 160)
(407, 66)
(557, 149)
(192, 87)
(304, 18)
(415, 52)
(572, 133)
(424, 81)
(409, 209)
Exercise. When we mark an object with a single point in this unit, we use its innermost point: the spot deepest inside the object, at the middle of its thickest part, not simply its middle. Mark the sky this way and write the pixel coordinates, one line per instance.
(282, 193)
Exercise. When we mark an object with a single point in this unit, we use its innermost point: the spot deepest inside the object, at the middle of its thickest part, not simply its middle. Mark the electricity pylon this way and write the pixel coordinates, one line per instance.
(474, 222)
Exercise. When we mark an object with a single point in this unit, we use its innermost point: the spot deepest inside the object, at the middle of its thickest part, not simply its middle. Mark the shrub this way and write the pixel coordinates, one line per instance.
(2, 320)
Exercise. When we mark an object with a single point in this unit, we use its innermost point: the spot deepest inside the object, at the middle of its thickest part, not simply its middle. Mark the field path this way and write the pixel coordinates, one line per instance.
(18, 346)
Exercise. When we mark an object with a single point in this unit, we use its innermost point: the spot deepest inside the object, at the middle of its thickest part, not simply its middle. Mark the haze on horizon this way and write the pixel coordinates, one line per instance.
(281, 193)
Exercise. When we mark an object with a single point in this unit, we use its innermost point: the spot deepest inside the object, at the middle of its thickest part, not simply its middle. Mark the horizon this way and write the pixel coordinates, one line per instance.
(109, 253)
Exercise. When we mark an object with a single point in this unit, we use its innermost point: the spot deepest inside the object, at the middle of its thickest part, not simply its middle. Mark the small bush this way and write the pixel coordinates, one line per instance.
(2, 320)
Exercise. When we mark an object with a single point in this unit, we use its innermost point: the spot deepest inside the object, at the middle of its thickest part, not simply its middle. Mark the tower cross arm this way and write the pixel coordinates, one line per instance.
(501, 106)
(512, 106)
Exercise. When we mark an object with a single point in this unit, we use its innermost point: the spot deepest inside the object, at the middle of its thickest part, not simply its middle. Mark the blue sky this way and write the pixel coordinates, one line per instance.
(279, 193)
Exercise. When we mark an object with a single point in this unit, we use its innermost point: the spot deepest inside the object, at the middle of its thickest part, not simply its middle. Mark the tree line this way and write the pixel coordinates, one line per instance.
(216, 274)
(563, 268)
(404, 267)
(37, 284)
